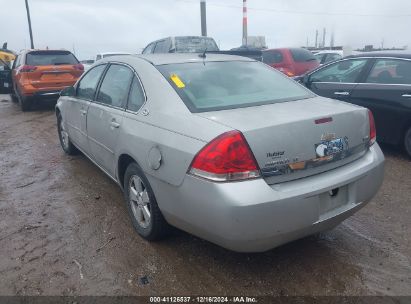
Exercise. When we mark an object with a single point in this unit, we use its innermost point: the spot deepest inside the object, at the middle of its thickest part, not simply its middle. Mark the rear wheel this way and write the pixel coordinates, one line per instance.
(407, 141)
(25, 103)
(142, 206)
(65, 142)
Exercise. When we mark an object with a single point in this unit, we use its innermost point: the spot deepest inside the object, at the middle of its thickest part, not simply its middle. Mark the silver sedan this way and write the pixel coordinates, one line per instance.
(223, 147)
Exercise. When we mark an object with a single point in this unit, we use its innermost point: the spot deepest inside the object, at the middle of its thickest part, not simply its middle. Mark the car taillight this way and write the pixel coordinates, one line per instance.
(79, 67)
(287, 72)
(28, 68)
(373, 130)
(226, 158)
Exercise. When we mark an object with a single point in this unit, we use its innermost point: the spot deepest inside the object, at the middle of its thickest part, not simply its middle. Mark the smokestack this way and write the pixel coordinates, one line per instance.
(245, 20)
(316, 38)
(324, 32)
(203, 18)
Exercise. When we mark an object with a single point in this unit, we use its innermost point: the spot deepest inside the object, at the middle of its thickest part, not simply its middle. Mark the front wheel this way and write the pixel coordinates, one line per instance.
(142, 206)
(407, 142)
(65, 141)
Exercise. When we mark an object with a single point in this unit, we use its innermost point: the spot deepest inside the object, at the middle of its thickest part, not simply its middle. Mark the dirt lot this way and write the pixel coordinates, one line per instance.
(64, 230)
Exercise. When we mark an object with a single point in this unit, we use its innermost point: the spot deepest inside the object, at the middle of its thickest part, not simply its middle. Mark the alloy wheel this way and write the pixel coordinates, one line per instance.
(140, 201)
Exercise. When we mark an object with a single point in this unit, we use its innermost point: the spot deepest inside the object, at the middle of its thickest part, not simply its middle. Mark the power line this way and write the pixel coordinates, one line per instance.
(298, 12)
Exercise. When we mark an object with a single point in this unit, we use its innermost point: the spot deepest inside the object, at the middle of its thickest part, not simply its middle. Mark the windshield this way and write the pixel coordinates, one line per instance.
(212, 86)
(39, 58)
(195, 44)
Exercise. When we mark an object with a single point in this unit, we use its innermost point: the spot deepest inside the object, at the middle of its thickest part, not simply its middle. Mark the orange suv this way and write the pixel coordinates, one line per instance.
(42, 74)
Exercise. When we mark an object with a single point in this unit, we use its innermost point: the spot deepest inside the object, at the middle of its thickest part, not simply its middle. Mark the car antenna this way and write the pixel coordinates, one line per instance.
(203, 55)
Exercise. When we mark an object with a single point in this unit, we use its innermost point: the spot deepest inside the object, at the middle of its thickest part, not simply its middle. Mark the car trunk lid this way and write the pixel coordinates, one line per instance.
(296, 139)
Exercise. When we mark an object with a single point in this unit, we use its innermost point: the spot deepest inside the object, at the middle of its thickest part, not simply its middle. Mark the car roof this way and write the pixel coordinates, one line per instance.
(113, 53)
(162, 59)
(394, 54)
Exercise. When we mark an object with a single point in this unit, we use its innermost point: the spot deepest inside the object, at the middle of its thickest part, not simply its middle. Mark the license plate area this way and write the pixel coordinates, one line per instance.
(333, 199)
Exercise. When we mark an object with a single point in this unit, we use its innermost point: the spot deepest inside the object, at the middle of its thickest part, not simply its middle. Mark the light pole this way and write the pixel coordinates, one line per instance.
(203, 18)
(29, 21)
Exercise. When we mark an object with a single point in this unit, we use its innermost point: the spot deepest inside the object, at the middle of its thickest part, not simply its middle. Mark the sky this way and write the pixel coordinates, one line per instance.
(91, 26)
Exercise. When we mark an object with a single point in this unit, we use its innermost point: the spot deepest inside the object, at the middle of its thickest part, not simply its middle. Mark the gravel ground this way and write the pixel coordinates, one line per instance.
(64, 230)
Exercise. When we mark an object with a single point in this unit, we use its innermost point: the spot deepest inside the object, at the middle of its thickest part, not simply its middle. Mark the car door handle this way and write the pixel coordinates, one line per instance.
(115, 124)
(342, 93)
(406, 95)
(83, 112)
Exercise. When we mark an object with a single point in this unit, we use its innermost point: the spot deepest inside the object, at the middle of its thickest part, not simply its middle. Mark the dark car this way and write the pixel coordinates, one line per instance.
(181, 44)
(5, 77)
(380, 81)
(291, 61)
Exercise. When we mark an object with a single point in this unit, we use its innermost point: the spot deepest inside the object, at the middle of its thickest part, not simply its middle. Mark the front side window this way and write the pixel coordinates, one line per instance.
(88, 84)
(136, 98)
(115, 86)
(41, 58)
(212, 86)
(149, 49)
(161, 47)
(346, 71)
(390, 71)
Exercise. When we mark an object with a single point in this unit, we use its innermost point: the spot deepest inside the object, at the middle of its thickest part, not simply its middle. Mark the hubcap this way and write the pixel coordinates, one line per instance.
(64, 135)
(139, 201)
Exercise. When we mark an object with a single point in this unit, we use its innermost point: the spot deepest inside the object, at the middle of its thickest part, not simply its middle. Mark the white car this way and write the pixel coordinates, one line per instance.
(109, 54)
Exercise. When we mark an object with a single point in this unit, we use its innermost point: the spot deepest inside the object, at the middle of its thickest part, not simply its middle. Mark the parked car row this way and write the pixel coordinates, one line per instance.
(379, 81)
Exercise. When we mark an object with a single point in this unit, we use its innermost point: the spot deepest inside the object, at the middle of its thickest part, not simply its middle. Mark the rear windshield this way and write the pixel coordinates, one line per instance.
(111, 55)
(195, 44)
(301, 55)
(212, 86)
(271, 57)
(50, 58)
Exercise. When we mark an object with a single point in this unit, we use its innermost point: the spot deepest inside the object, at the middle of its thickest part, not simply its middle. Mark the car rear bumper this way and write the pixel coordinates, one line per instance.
(253, 216)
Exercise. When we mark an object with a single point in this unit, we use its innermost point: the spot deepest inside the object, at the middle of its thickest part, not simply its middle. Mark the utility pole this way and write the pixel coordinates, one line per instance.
(29, 20)
(316, 38)
(203, 18)
(245, 21)
(324, 32)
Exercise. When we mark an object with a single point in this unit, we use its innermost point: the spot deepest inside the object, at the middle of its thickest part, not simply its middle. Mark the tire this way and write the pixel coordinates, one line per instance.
(25, 103)
(14, 97)
(142, 207)
(407, 141)
(65, 141)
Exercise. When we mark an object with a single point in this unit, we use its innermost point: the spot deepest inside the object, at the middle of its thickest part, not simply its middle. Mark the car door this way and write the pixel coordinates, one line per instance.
(76, 107)
(386, 91)
(105, 115)
(5, 78)
(336, 80)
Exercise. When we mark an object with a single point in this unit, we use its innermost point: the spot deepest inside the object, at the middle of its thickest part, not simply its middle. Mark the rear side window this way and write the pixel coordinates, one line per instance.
(212, 86)
(271, 57)
(390, 71)
(115, 86)
(136, 98)
(302, 55)
(88, 84)
(39, 58)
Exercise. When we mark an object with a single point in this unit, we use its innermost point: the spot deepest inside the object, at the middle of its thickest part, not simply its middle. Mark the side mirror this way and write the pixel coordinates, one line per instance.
(69, 91)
